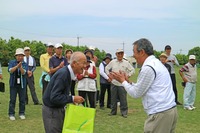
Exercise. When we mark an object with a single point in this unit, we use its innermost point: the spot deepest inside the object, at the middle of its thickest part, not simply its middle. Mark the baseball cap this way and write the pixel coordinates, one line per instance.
(168, 47)
(192, 57)
(58, 45)
(49, 44)
(109, 56)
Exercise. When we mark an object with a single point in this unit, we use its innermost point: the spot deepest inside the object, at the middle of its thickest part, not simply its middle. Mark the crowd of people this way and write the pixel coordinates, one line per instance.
(156, 84)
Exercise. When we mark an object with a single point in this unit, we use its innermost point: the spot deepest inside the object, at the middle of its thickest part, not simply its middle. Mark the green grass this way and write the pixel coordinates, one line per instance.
(188, 121)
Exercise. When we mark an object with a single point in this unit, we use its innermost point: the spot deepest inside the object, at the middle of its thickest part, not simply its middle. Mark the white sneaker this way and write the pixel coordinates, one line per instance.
(193, 107)
(22, 117)
(12, 118)
(188, 108)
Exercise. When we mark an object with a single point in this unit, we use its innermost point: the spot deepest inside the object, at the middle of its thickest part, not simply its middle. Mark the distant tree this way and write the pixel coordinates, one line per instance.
(157, 53)
(182, 59)
(195, 51)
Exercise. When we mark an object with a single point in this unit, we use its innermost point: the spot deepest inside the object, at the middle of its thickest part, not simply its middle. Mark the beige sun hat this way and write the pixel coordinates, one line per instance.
(19, 51)
(119, 50)
(163, 55)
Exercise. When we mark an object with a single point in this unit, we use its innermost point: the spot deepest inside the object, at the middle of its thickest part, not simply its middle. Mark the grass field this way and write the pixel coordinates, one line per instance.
(188, 121)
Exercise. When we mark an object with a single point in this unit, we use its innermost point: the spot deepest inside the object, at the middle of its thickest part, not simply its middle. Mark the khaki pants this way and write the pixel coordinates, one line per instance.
(163, 122)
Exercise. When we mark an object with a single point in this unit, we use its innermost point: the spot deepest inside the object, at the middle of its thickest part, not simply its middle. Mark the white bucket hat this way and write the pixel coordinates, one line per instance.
(19, 51)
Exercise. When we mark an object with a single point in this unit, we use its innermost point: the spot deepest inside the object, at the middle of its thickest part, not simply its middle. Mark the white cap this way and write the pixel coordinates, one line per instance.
(49, 44)
(19, 51)
(26, 48)
(192, 57)
(119, 50)
(92, 48)
(58, 45)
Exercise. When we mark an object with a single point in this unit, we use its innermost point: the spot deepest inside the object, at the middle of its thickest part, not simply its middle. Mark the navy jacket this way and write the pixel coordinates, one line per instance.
(13, 63)
(57, 93)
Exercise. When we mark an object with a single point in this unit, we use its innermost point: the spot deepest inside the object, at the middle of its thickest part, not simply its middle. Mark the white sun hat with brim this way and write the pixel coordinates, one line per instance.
(19, 51)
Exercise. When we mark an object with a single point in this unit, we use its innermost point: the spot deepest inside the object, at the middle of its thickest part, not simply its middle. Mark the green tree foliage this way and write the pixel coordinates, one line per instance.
(195, 51)
(182, 59)
(7, 49)
(157, 53)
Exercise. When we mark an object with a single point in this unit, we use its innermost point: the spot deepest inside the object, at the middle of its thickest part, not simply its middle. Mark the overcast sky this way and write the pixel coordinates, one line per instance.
(105, 24)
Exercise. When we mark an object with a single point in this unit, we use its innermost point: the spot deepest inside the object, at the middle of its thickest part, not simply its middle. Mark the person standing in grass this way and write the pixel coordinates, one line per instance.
(17, 69)
(117, 89)
(154, 86)
(189, 75)
(171, 60)
(105, 82)
(86, 83)
(31, 63)
(44, 63)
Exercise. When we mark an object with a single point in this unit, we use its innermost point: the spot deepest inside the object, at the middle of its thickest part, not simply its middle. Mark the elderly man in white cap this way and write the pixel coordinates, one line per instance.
(57, 61)
(189, 75)
(44, 63)
(117, 89)
(17, 69)
(30, 61)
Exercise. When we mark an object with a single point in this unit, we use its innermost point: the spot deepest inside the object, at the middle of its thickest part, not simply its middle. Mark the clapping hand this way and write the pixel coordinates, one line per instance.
(119, 76)
(61, 64)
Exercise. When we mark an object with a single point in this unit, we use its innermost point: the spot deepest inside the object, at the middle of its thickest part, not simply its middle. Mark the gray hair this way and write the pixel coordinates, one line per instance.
(144, 44)
(76, 57)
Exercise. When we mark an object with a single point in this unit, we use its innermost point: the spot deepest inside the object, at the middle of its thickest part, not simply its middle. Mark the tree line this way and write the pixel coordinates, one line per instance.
(8, 47)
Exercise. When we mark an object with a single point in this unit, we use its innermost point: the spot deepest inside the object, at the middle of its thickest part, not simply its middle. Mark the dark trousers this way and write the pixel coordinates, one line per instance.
(31, 85)
(118, 92)
(104, 88)
(173, 78)
(91, 97)
(53, 119)
(44, 83)
(13, 95)
(73, 87)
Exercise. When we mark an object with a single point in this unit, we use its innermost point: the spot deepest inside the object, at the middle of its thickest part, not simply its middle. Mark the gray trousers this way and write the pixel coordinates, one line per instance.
(31, 85)
(53, 119)
(118, 92)
(163, 122)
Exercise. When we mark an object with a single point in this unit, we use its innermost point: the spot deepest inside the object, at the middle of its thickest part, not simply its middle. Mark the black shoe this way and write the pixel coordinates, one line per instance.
(37, 103)
(125, 116)
(178, 103)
